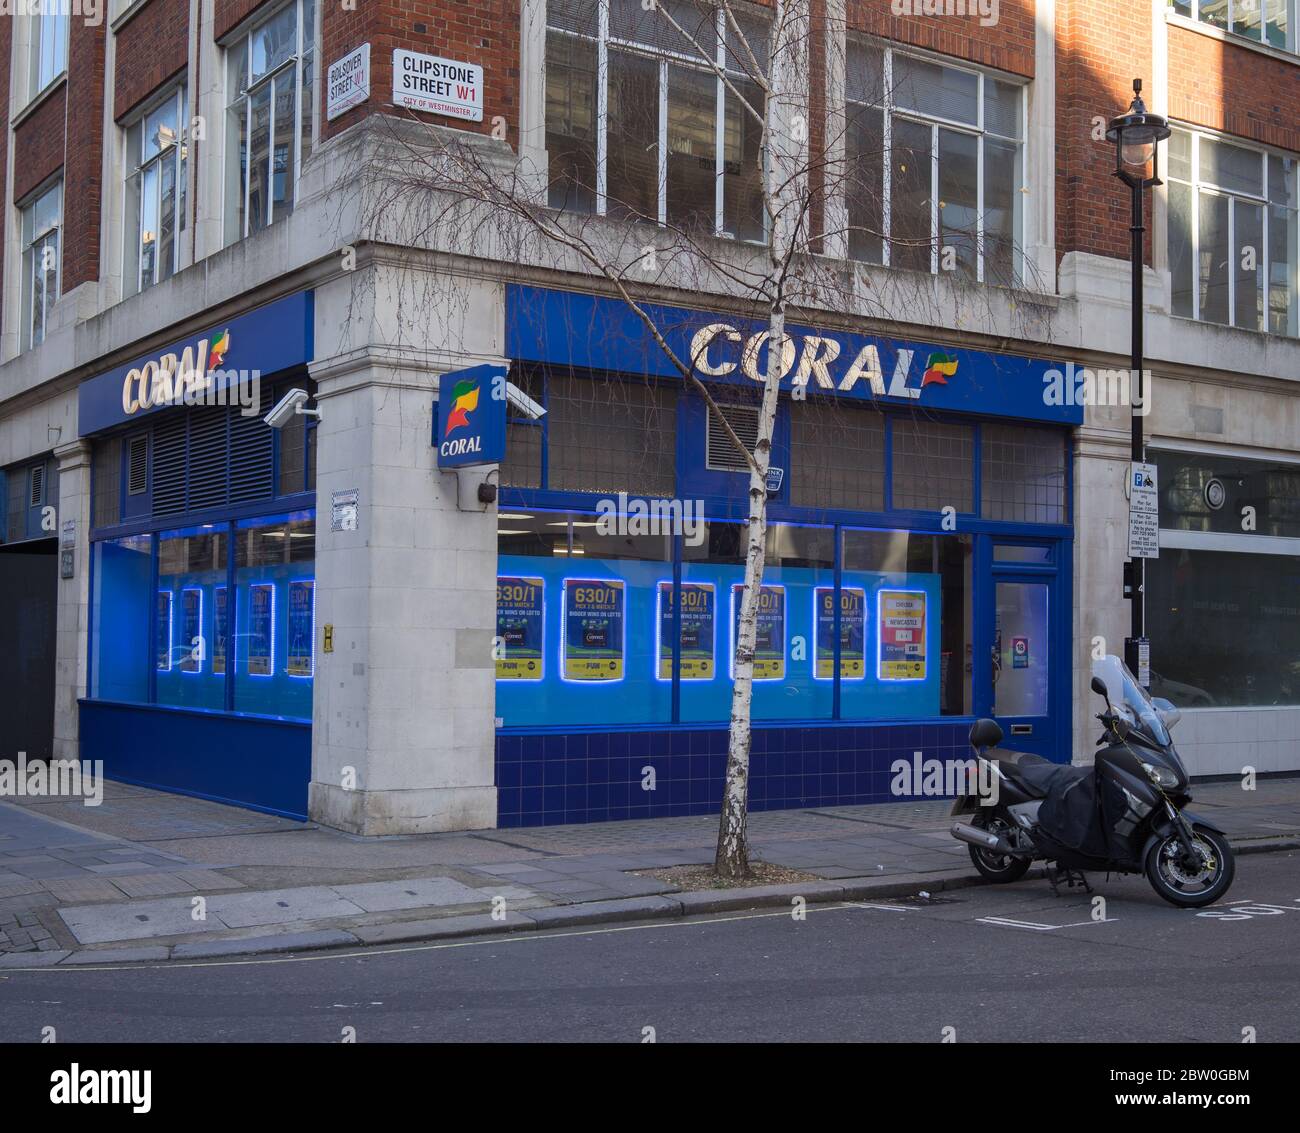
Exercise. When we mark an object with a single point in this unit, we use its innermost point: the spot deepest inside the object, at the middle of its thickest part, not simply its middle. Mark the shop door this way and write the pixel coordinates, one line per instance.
(1021, 657)
(29, 577)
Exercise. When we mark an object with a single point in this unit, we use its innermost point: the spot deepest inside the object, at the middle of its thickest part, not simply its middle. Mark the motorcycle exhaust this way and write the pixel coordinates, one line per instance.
(981, 838)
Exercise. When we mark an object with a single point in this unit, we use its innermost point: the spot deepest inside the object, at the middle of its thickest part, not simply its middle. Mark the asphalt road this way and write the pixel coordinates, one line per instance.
(1011, 963)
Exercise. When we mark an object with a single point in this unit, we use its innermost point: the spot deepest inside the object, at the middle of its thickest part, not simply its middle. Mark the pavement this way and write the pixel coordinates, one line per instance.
(148, 876)
(1003, 963)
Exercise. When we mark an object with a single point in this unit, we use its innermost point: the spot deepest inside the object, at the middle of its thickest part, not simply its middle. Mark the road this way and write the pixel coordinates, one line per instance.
(994, 963)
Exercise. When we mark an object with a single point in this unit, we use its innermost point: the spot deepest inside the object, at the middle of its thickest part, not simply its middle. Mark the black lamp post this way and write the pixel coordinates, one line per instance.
(1136, 136)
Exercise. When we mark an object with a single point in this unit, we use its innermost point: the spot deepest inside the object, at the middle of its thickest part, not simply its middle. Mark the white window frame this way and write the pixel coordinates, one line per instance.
(1259, 6)
(174, 152)
(890, 111)
(34, 245)
(306, 44)
(1196, 186)
(42, 24)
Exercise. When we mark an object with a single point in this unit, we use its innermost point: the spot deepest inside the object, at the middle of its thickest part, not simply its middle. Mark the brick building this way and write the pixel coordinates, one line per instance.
(312, 619)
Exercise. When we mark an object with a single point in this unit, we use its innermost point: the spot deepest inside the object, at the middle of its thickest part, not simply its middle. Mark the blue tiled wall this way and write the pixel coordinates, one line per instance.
(596, 776)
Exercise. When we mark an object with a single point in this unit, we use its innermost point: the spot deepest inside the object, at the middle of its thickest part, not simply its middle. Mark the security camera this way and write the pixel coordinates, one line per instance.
(522, 403)
(289, 407)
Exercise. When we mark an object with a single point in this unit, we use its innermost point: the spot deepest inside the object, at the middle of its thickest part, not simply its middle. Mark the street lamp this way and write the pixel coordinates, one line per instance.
(1136, 136)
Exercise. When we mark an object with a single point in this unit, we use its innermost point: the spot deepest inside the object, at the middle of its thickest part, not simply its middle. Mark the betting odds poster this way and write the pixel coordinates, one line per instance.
(302, 613)
(769, 644)
(162, 644)
(261, 604)
(193, 648)
(519, 628)
(853, 657)
(697, 656)
(219, 630)
(593, 629)
(902, 635)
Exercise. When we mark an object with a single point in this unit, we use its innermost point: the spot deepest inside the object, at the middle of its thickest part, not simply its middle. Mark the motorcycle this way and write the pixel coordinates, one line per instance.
(1125, 814)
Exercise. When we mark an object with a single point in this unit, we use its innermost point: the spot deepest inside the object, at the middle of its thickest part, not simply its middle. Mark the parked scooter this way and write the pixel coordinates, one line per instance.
(1122, 815)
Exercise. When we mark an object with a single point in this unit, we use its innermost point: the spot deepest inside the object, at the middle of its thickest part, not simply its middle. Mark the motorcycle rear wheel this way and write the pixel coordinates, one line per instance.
(1191, 889)
(992, 866)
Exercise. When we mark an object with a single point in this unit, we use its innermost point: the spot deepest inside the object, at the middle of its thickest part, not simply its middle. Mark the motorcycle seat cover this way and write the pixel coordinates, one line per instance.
(1037, 775)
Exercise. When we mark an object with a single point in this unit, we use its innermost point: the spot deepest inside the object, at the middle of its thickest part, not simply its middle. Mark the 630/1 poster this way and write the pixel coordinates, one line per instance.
(593, 629)
(853, 606)
(162, 645)
(769, 644)
(219, 629)
(902, 635)
(697, 649)
(193, 647)
(261, 609)
(519, 628)
(302, 614)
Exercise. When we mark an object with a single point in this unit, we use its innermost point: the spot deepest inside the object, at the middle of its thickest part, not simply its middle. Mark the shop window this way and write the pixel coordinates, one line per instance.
(610, 436)
(190, 621)
(933, 465)
(1215, 492)
(837, 457)
(156, 153)
(1232, 233)
(918, 600)
(41, 221)
(916, 140)
(270, 117)
(296, 446)
(522, 467)
(120, 652)
(1224, 628)
(275, 608)
(49, 49)
(1022, 474)
(576, 621)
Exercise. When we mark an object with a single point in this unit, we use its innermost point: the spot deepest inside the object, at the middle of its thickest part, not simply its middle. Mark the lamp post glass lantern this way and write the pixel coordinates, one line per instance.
(1137, 136)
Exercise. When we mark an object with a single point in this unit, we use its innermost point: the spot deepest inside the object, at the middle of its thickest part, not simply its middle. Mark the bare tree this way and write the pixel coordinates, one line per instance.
(464, 191)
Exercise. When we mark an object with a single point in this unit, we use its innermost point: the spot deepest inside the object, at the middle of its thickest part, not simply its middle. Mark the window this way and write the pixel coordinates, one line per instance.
(639, 126)
(933, 166)
(1212, 492)
(49, 57)
(837, 456)
(1232, 233)
(156, 151)
(40, 246)
(1265, 21)
(1022, 474)
(270, 117)
(933, 465)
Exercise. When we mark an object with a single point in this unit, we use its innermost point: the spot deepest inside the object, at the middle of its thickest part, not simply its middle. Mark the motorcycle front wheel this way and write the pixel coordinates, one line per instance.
(993, 866)
(1191, 884)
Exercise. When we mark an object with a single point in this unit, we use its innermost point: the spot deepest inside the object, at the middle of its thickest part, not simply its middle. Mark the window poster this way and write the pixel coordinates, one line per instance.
(193, 647)
(853, 657)
(261, 608)
(593, 629)
(219, 629)
(163, 632)
(302, 627)
(519, 628)
(697, 648)
(769, 644)
(902, 635)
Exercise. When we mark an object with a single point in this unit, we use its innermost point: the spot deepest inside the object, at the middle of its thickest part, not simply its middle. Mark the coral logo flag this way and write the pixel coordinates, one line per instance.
(938, 369)
(469, 420)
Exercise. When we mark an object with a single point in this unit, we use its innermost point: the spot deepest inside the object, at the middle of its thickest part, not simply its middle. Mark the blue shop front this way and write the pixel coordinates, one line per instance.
(918, 560)
(202, 583)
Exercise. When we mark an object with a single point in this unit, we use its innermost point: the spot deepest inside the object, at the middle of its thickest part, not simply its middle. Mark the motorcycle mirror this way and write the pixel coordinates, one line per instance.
(1099, 687)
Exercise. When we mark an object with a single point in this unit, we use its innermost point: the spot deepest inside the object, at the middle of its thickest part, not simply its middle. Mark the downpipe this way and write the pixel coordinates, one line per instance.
(984, 839)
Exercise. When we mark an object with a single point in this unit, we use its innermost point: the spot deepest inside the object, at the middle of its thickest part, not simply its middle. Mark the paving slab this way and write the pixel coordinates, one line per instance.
(417, 893)
(279, 906)
(152, 885)
(135, 920)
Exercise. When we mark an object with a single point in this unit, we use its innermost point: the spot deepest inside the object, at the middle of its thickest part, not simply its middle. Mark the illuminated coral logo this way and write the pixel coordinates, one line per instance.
(217, 351)
(938, 369)
(464, 400)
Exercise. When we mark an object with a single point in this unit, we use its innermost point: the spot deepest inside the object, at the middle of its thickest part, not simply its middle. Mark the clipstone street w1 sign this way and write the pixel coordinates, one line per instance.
(469, 426)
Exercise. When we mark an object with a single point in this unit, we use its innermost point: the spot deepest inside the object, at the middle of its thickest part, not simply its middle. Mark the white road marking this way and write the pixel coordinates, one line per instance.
(1009, 922)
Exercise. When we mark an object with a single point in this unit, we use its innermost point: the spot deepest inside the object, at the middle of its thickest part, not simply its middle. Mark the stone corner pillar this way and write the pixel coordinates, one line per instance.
(72, 625)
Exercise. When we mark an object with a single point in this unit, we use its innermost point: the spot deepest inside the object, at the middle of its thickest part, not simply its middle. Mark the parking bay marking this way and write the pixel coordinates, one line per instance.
(1010, 922)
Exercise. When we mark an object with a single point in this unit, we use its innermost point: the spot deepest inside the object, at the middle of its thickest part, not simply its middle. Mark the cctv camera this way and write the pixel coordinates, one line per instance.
(522, 403)
(289, 407)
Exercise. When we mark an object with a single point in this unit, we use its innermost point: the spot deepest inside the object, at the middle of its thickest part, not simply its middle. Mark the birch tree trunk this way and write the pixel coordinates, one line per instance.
(784, 184)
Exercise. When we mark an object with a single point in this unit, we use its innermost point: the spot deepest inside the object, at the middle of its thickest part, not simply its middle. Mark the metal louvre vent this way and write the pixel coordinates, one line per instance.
(169, 466)
(38, 486)
(251, 460)
(137, 476)
(207, 487)
(721, 454)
